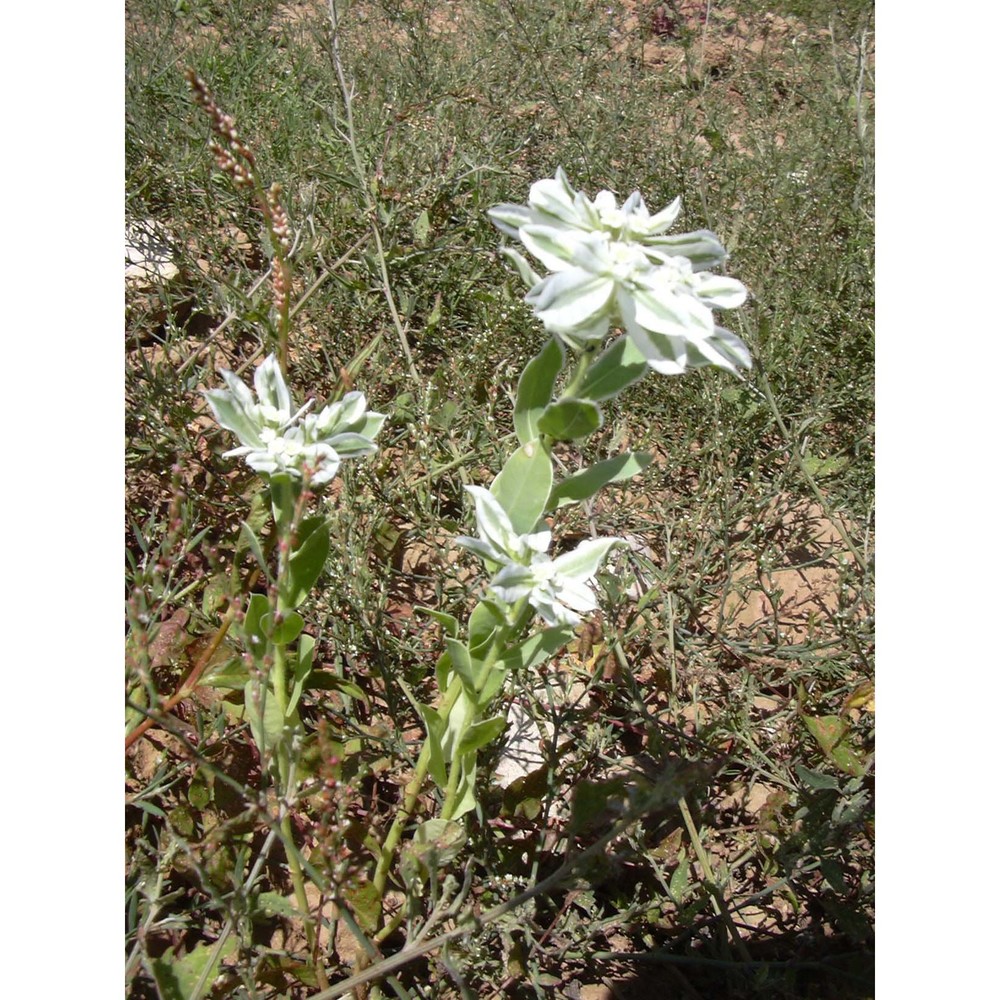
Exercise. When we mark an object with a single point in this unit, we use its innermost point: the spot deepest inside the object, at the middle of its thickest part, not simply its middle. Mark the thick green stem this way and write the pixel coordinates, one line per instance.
(500, 642)
(412, 791)
(279, 684)
(294, 868)
(415, 784)
(576, 379)
(450, 794)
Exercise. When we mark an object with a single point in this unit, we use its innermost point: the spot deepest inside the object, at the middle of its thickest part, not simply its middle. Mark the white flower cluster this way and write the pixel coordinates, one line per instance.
(556, 588)
(616, 265)
(275, 440)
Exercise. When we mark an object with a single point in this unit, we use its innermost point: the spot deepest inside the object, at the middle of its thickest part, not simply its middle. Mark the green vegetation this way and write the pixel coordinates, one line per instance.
(700, 817)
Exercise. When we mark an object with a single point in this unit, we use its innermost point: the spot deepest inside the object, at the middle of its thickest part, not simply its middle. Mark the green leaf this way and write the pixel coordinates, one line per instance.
(148, 807)
(249, 540)
(618, 367)
(421, 228)
(435, 741)
(303, 668)
(493, 683)
(447, 837)
(307, 561)
(463, 714)
(584, 484)
(273, 904)
(570, 419)
(442, 669)
(266, 730)
(820, 468)
(231, 675)
(523, 485)
(485, 620)
(479, 734)
(830, 732)
(384, 540)
(815, 779)
(595, 800)
(834, 874)
(463, 664)
(285, 633)
(465, 790)
(534, 389)
(680, 881)
(325, 680)
(182, 820)
(435, 842)
(537, 648)
(442, 414)
(176, 978)
(254, 633)
(448, 622)
(283, 497)
(215, 593)
(199, 794)
(366, 903)
(433, 319)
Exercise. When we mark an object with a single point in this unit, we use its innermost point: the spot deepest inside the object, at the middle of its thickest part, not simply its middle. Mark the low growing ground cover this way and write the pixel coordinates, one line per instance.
(681, 796)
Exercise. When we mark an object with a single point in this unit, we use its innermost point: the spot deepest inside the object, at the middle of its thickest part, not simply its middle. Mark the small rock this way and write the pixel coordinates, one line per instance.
(522, 753)
(148, 255)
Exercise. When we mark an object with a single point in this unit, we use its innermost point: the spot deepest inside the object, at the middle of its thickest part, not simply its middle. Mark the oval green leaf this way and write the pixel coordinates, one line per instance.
(534, 389)
(570, 419)
(523, 486)
(618, 367)
(583, 485)
(307, 561)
